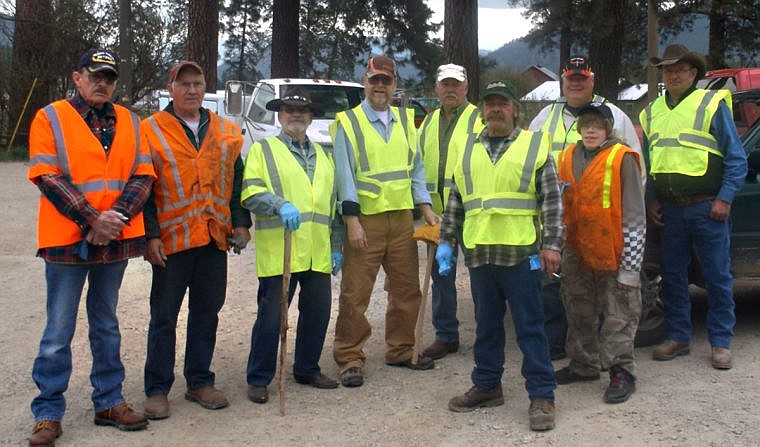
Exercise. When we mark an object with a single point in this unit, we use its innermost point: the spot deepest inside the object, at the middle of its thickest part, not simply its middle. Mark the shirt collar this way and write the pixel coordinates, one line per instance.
(372, 114)
(84, 109)
(288, 140)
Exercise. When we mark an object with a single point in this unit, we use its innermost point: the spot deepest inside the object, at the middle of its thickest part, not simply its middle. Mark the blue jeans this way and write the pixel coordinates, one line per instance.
(52, 367)
(314, 302)
(444, 305)
(204, 271)
(686, 227)
(492, 287)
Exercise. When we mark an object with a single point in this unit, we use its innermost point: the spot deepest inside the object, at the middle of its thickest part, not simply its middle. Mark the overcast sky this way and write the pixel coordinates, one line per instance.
(497, 23)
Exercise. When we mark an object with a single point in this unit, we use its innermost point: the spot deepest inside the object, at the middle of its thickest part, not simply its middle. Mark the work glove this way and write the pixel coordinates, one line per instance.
(446, 258)
(291, 218)
(337, 262)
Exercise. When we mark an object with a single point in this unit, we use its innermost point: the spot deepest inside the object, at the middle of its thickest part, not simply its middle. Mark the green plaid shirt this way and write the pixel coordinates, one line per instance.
(548, 190)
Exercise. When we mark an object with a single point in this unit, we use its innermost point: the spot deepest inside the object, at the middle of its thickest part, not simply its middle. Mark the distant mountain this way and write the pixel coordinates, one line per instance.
(517, 55)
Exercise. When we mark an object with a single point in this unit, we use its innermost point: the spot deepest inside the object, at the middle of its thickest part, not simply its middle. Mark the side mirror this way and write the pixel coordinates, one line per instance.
(233, 98)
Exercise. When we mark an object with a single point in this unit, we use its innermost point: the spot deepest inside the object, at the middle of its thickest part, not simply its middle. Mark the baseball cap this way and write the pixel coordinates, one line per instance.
(451, 71)
(577, 65)
(381, 65)
(598, 108)
(505, 89)
(96, 59)
(181, 65)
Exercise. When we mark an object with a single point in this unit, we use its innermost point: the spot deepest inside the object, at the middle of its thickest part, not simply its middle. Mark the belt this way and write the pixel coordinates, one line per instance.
(690, 200)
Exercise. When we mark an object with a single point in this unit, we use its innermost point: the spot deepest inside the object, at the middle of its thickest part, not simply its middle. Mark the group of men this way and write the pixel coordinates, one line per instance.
(518, 202)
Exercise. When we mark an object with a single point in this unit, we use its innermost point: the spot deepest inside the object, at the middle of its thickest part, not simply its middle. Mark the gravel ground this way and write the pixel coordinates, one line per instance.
(680, 403)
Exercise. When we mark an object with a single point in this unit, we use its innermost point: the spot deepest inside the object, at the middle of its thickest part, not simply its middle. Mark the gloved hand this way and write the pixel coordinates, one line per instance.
(337, 262)
(291, 218)
(446, 258)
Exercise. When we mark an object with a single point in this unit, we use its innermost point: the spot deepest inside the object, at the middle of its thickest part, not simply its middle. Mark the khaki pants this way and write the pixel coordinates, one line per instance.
(390, 244)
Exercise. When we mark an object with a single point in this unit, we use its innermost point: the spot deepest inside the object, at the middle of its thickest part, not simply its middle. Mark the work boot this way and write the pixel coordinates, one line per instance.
(622, 385)
(721, 358)
(352, 377)
(566, 375)
(45, 433)
(541, 415)
(156, 407)
(121, 416)
(258, 394)
(474, 398)
(440, 349)
(207, 397)
(670, 349)
(320, 381)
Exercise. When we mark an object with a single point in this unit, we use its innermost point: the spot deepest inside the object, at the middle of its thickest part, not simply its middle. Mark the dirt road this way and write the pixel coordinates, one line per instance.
(680, 403)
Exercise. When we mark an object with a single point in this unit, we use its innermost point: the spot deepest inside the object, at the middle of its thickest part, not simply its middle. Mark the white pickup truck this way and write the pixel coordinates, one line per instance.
(245, 103)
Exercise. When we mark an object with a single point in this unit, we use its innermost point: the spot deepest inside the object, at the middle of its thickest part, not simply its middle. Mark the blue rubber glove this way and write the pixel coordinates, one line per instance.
(446, 258)
(337, 262)
(291, 218)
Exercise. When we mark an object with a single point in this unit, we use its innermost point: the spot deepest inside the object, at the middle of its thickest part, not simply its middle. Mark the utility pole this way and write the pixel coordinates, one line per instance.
(125, 53)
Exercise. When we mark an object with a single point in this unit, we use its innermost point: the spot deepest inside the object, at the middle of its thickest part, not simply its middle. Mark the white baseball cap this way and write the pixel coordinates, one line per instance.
(451, 71)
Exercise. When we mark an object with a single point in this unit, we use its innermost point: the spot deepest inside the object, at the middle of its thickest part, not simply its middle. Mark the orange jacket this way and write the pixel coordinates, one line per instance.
(194, 186)
(61, 143)
(593, 207)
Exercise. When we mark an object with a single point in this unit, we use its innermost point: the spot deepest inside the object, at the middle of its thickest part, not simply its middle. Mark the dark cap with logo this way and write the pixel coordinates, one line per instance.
(598, 108)
(577, 65)
(505, 89)
(381, 65)
(96, 59)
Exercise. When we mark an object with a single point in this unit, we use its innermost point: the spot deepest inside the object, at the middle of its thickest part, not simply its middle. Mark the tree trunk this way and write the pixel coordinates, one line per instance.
(285, 37)
(606, 48)
(124, 93)
(203, 37)
(460, 41)
(717, 51)
(32, 42)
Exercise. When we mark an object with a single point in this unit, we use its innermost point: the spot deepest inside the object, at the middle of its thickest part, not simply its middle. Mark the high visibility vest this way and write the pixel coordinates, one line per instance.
(555, 126)
(61, 142)
(194, 186)
(270, 167)
(383, 169)
(592, 206)
(469, 122)
(679, 139)
(500, 199)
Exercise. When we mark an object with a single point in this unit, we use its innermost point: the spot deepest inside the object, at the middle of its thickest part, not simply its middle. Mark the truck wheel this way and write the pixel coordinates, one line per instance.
(652, 326)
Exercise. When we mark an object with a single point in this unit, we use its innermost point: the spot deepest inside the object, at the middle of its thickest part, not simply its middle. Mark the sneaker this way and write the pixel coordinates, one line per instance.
(121, 416)
(566, 375)
(423, 363)
(45, 433)
(622, 385)
(474, 398)
(721, 358)
(352, 377)
(541, 415)
(669, 349)
(320, 381)
(207, 397)
(258, 394)
(156, 407)
(440, 349)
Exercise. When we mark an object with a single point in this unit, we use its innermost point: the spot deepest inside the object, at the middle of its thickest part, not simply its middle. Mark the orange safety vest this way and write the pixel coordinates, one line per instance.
(194, 186)
(593, 212)
(61, 143)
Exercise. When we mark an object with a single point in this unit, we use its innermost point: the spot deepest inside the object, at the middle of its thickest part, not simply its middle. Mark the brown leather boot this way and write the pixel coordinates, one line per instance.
(45, 433)
(721, 358)
(670, 349)
(121, 416)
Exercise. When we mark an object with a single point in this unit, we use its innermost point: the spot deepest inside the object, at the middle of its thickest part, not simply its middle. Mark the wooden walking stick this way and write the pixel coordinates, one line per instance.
(284, 319)
(429, 234)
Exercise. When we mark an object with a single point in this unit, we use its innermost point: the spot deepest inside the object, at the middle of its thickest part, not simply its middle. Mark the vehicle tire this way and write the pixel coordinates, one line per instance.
(652, 326)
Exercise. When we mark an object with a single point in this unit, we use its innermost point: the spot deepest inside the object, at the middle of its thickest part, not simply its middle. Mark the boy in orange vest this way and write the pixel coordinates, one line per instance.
(604, 214)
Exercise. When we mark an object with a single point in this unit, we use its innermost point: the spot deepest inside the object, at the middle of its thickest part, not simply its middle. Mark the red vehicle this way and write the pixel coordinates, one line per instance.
(736, 80)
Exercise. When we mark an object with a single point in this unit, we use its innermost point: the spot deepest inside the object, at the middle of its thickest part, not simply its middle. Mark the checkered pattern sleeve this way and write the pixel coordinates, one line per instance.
(634, 218)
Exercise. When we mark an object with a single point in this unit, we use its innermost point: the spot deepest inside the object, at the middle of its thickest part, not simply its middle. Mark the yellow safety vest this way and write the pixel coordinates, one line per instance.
(500, 199)
(469, 122)
(555, 126)
(270, 167)
(383, 169)
(679, 139)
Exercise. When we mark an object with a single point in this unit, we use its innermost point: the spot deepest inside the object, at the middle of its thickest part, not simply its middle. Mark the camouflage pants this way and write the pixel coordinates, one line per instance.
(591, 299)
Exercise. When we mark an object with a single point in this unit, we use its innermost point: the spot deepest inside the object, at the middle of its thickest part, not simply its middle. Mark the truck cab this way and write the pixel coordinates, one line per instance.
(736, 80)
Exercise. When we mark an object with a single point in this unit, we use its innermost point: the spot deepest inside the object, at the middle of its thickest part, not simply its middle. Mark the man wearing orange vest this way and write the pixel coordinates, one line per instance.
(603, 200)
(94, 176)
(192, 218)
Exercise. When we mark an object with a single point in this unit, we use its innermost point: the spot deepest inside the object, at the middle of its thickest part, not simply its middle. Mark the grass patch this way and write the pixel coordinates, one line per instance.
(16, 153)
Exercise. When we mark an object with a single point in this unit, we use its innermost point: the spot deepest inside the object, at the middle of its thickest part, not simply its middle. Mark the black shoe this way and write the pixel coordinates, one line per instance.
(352, 377)
(258, 394)
(474, 398)
(622, 385)
(423, 363)
(320, 381)
(557, 353)
(565, 376)
(440, 349)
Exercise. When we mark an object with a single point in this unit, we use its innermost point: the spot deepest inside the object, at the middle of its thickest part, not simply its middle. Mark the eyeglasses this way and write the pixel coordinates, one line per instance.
(197, 85)
(98, 77)
(380, 79)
